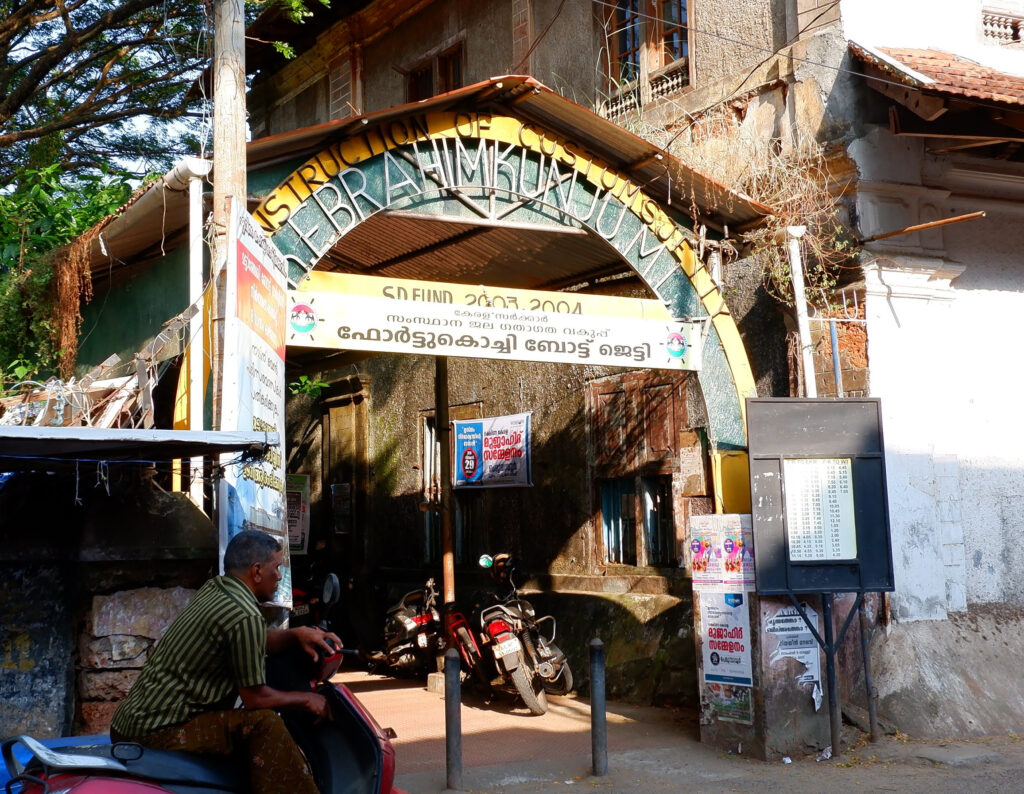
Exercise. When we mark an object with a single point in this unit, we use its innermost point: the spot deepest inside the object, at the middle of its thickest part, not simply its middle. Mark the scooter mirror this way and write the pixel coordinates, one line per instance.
(332, 590)
(485, 561)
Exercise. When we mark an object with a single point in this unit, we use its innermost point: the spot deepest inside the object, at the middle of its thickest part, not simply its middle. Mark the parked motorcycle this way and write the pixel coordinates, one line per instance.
(523, 656)
(350, 753)
(412, 633)
(311, 604)
(459, 634)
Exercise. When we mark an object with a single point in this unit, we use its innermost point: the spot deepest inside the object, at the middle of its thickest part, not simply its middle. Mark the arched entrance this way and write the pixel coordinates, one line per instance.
(490, 193)
(488, 171)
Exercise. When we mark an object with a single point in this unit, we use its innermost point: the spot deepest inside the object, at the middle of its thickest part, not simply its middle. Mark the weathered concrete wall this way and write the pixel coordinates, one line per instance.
(36, 648)
(567, 59)
(648, 642)
(484, 28)
(725, 37)
(63, 667)
(559, 502)
(957, 677)
(119, 634)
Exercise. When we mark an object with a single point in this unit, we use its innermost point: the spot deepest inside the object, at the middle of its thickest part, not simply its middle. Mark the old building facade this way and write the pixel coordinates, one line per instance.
(912, 133)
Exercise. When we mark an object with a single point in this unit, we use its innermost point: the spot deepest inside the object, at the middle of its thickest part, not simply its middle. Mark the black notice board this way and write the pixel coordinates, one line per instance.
(818, 496)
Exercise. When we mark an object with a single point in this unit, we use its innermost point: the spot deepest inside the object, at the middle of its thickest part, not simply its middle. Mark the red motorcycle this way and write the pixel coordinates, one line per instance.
(351, 753)
(523, 658)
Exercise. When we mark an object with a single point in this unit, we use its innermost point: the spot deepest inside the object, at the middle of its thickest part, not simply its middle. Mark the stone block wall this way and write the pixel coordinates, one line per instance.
(649, 650)
(120, 632)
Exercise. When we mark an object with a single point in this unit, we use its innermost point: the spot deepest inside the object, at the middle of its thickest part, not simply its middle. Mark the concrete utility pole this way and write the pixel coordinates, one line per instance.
(229, 183)
(800, 300)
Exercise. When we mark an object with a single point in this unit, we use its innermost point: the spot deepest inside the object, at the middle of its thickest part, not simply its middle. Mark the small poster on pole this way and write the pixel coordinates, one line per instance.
(298, 512)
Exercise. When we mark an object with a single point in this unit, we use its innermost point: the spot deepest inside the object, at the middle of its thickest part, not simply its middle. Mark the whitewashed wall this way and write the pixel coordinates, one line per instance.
(945, 311)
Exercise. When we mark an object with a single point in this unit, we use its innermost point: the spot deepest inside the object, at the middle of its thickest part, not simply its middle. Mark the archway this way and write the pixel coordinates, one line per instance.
(489, 170)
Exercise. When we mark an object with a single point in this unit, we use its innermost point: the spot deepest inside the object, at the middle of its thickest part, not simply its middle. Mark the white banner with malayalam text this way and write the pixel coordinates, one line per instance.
(332, 321)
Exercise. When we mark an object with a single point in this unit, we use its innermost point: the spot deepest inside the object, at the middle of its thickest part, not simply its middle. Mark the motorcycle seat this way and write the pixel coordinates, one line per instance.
(170, 766)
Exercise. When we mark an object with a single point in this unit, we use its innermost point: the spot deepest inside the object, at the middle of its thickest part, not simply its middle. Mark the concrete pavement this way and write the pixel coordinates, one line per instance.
(655, 750)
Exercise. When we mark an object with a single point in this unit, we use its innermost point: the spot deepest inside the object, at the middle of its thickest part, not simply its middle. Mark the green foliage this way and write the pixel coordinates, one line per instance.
(307, 385)
(45, 210)
(297, 10)
(89, 90)
(85, 83)
(284, 49)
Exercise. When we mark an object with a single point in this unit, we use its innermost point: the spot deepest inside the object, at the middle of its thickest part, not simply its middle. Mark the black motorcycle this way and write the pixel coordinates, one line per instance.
(523, 656)
(413, 634)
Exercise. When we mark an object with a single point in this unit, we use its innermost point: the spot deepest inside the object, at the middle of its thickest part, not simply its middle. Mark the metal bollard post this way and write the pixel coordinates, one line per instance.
(453, 719)
(598, 717)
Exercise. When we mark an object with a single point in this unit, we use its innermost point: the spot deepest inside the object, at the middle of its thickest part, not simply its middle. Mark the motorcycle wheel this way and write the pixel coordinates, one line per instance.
(562, 685)
(530, 689)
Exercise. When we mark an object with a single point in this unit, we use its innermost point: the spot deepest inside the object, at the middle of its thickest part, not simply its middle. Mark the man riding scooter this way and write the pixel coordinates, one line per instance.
(213, 652)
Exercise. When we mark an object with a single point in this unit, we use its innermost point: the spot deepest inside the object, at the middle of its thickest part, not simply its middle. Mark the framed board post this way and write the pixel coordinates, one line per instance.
(818, 495)
(820, 510)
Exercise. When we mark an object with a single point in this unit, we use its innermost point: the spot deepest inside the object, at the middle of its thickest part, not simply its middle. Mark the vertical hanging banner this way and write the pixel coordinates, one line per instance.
(492, 452)
(252, 492)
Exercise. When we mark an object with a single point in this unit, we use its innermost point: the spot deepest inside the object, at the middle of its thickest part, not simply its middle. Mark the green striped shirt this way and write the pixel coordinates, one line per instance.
(216, 645)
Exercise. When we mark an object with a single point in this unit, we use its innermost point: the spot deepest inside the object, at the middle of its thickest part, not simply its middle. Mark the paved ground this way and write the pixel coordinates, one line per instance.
(656, 750)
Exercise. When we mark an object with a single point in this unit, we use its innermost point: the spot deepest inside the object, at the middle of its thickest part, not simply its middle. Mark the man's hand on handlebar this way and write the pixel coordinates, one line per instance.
(315, 641)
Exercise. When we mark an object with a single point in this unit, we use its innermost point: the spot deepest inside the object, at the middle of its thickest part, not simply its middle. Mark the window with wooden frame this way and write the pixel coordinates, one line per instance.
(438, 74)
(648, 46)
(647, 464)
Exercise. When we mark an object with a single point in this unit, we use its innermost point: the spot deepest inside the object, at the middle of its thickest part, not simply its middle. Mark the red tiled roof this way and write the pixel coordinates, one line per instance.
(954, 76)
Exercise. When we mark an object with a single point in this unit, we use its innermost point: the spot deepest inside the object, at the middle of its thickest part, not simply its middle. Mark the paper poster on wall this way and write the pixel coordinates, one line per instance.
(731, 702)
(252, 491)
(725, 635)
(492, 452)
(721, 550)
(795, 641)
(727, 670)
(298, 512)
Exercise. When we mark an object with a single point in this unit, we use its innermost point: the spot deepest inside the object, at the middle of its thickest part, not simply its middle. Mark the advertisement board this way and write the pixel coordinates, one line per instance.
(327, 320)
(252, 490)
(492, 452)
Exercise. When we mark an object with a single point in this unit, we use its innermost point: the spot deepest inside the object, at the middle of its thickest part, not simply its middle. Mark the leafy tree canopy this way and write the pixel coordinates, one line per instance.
(85, 83)
(94, 94)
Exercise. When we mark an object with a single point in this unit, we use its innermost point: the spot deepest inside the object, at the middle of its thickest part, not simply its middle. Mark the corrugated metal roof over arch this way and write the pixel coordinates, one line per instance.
(144, 229)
